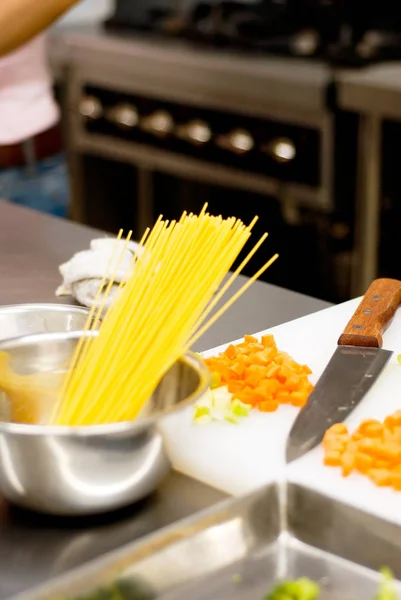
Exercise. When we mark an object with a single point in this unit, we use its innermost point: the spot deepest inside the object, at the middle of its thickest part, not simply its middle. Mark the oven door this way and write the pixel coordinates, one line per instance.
(135, 157)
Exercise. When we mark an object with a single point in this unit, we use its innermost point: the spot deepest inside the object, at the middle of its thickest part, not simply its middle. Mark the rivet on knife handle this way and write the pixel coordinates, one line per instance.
(373, 315)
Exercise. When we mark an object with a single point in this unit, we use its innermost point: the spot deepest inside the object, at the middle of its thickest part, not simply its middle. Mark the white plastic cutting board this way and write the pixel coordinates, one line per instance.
(240, 458)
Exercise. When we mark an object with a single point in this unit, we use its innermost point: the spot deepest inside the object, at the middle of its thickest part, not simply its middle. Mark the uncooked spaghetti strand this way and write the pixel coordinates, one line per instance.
(192, 309)
(231, 301)
(148, 243)
(184, 266)
(112, 279)
(200, 276)
(105, 296)
(253, 223)
(84, 342)
(188, 334)
(147, 246)
(231, 280)
(183, 298)
(135, 255)
(178, 352)
(81, 341)
(138, 295)
(229, 251)
(218, 295)
(98, 294)
(142, 393)
(116, 391)
(171, 257)
(146, 258)
(89, 340)
(129, 411)
(124, 396)
(167, 270)
(158, 227)
(110, 348)
(146, 389)
(82, 416)
(109, 326)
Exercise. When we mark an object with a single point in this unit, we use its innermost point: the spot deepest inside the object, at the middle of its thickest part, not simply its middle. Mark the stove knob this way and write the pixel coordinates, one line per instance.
(90, 107)
(123, 115)
(282, 150)
(305, 43)
(196, 132)
(370, 44)
(238, 141)
(159, 123)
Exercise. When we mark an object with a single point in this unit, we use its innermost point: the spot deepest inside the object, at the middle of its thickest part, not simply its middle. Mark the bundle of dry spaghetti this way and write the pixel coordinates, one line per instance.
(161, 309)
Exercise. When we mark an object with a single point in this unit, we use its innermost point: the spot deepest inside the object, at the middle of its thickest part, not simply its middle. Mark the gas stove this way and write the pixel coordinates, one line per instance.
(341, 32)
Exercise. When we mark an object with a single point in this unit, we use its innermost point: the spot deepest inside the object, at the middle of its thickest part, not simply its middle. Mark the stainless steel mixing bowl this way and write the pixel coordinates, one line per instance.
(25, 319)
(87, 470)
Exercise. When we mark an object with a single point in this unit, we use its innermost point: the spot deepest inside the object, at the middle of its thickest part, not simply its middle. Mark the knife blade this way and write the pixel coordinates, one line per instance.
(355, 365)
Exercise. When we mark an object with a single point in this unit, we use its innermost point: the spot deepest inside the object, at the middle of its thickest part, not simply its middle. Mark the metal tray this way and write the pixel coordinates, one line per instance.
(236, 551)
(37, 548)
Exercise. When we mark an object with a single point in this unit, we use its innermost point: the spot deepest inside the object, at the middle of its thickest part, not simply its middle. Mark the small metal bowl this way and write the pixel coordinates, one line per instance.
(89, 469)
(25, 319)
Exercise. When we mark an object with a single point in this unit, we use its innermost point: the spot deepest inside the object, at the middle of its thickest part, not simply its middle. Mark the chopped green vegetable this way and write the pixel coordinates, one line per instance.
(387, 587)
(202, 420)
(123, 589)
(221, 398)
(230, 418)
(306, 589)
(399, 358)
(201, 411)
(240, 409)
(237, 578)
(218, 405)
(134, 589)
(299, 589)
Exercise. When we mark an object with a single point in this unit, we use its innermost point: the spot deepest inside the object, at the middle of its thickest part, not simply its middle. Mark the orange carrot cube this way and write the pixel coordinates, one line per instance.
(381, 477)
(231, 352)
(332, 458)
(268, 405)
(268, 341)
(363, 462)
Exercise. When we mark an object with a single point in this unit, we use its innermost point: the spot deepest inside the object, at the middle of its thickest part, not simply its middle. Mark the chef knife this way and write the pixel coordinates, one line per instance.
(354, 367)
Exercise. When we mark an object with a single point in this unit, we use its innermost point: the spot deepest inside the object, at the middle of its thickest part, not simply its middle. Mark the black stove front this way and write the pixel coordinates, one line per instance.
(341, 32)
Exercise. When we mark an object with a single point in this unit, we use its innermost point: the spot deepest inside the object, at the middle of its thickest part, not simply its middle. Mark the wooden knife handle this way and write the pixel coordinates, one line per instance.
(373, 315)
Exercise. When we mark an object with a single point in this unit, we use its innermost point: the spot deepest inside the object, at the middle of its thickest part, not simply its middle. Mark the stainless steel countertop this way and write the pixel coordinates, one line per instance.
(33, 245)
(221, 79)
(374, 90)
(36, 548)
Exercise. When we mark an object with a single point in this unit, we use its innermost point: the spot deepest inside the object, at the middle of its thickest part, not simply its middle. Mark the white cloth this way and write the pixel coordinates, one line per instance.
(83, 273)
(27, 106)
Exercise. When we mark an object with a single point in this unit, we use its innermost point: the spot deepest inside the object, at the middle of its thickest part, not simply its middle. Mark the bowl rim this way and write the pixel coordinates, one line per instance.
(32, 306)
(120, 427)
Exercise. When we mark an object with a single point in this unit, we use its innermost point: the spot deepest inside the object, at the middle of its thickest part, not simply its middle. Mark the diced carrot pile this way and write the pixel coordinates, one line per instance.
(257, 373)
(374, 450)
